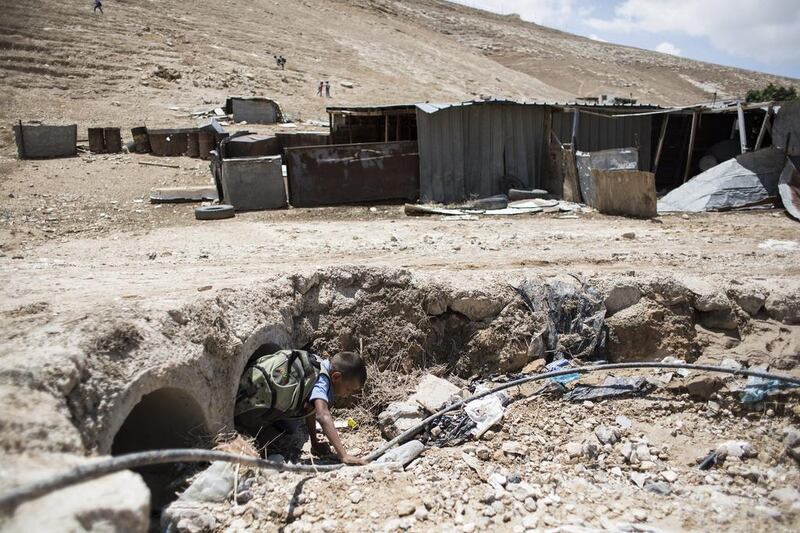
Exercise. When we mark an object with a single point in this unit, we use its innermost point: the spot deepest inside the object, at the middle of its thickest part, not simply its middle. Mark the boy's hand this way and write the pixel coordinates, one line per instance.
(352, 460)
(320, 449)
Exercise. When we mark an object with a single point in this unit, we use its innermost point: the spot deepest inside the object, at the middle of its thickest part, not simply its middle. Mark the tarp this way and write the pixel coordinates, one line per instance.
(789, 187)
(749, 179)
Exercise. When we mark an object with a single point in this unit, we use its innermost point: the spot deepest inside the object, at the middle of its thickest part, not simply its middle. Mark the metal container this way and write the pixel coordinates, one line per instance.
(97, 141)
(206, 143)
(168, 142)
(113, 140)
(192, 144)
(141, 140)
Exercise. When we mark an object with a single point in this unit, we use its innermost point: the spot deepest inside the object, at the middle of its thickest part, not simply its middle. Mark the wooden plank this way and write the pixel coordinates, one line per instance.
(692, 135)
(763, 131)
(742, 128)
(660, 148)
(572, 190)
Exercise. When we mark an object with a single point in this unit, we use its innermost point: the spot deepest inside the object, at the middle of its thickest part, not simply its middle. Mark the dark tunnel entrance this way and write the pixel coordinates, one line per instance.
(166, 418)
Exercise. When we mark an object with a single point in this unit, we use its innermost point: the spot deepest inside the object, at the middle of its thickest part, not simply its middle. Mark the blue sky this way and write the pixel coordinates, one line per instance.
(762, 35)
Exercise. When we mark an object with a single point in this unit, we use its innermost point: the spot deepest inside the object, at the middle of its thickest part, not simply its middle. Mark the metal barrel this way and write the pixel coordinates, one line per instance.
(141, 140)
(113, 140)
(97, 142)
(192, 144)
(206, 143)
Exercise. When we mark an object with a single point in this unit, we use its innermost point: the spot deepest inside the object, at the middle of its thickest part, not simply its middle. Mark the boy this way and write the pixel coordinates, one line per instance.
(282, 396)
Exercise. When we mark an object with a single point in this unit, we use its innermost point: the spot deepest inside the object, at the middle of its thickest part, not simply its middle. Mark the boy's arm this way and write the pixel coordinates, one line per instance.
(325, 420)
(311, 424)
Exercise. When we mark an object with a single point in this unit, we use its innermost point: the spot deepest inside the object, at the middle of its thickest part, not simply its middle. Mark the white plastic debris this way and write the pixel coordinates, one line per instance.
(485, 412)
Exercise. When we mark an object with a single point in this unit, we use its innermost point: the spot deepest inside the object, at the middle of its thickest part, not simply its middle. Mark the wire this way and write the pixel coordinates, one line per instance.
(102, 467)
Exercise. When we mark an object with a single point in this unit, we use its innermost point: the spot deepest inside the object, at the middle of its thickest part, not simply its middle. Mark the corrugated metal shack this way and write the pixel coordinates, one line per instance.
(482, 148)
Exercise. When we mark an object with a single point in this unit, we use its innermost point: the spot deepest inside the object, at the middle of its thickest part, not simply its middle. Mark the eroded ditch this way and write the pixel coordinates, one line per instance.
(150, 380)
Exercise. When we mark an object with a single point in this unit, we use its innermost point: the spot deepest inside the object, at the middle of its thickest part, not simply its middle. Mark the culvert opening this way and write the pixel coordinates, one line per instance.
(167, 418)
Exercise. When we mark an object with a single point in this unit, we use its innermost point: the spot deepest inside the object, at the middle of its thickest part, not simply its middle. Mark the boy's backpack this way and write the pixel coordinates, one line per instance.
(278, 385)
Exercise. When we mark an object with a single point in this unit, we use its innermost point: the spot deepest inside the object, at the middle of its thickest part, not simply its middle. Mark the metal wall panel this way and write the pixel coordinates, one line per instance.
(597, 133)
(467, 151)
(352, 173)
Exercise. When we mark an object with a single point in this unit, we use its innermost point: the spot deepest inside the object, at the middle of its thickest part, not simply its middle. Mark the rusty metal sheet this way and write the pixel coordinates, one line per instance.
(353, 173)
(250, 145)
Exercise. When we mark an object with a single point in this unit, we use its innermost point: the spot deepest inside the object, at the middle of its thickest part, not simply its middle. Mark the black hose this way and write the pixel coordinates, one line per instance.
(102, 467)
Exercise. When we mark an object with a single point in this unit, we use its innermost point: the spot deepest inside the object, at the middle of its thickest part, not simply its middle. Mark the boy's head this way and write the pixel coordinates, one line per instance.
(348, 374)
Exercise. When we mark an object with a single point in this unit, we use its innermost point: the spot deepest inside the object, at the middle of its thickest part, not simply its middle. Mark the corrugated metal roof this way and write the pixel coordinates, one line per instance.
(429, 107)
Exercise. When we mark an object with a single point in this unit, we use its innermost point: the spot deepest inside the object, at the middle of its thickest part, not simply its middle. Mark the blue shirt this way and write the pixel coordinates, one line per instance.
(322, 388)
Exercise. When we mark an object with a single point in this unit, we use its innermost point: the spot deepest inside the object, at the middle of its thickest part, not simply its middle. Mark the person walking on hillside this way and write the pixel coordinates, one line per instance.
(327, 89)
(319, 89)
(98, 5)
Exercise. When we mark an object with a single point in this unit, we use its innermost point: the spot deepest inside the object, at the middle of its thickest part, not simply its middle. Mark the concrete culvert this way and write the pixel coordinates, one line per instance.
(166, 418)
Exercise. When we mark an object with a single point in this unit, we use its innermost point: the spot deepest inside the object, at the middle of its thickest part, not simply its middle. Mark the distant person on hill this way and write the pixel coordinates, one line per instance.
(98, 5)
(319, 89)
(327, 89)
(283, 63)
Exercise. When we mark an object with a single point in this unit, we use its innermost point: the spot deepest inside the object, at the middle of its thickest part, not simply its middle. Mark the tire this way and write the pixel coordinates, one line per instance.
(214, 212)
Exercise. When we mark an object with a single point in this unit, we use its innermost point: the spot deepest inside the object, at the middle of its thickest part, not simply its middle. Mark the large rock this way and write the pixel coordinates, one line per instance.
(399, 417)
(704, 386)
(433, 393)
(784, 307)
(622, 295)
(705, 297)
(649, 331)
(750, 299)
(477, 306)
(116, 503)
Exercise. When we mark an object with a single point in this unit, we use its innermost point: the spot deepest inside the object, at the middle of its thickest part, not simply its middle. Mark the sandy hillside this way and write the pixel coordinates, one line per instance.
(59, 61)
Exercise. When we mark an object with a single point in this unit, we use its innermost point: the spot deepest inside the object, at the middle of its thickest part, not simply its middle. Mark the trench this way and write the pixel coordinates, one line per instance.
(403, 327)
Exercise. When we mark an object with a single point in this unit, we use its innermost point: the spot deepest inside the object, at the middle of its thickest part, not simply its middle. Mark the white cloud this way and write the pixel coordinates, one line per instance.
(668, 48)
(768, 30)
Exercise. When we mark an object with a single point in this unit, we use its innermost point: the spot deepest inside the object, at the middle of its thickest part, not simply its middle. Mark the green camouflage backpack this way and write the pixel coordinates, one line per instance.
(277, 386)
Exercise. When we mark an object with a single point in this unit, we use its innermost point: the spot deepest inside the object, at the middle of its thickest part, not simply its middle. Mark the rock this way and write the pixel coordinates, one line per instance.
(522, 491)
(642, 453)
(705, 297)
(639, 515)
(704, 386)
(784, 307)
(512, 447)
(786, 495)
(530, 521)
(405, 508)
(626, 451)
(329, 526)
(476, 306)
(399, 417)
(214, 485)
(530, 505)
(606, 435)
(421, 513)
(629, 235)
(436, 302)
(669, 476)
(751, 300)
(623, 421)
(736, 448)
(433, 393)
(574, 449)
(403, 454)
(483, 453)
(791, 437)
(621, 296)
(590, 450)
(497, 480)
(638, 479)
(658, 487)
(356, 496)
(535, 366)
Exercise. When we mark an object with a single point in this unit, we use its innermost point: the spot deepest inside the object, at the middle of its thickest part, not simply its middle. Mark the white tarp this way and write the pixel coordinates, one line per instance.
(747, 180)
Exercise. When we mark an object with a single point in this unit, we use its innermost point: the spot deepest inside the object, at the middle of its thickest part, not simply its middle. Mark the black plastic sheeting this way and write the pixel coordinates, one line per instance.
(576, 316)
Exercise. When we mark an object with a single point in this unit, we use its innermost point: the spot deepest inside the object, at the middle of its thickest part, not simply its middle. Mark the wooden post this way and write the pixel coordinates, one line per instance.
(660, 148)
(386, 128)
(397, 128)
(575, 122)
(692, 135)
(762, 132)
(742, 128)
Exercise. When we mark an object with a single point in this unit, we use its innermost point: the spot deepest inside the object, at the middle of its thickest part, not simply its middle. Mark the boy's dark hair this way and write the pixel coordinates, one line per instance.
(351, 365)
